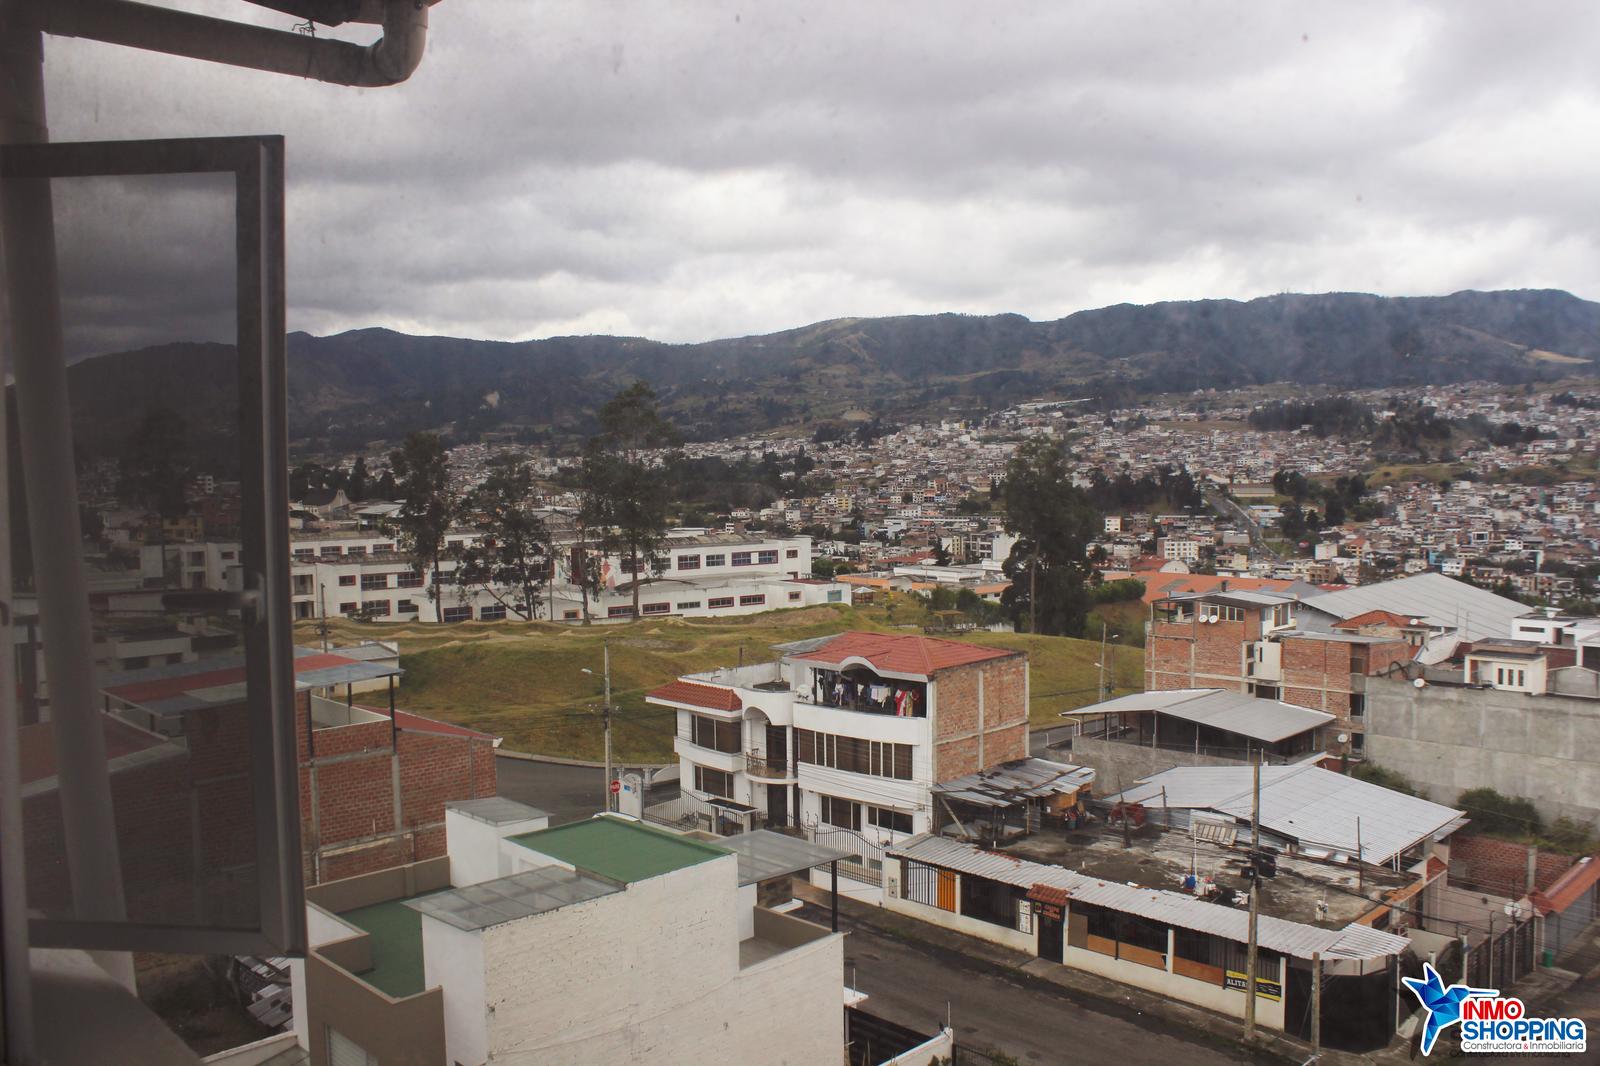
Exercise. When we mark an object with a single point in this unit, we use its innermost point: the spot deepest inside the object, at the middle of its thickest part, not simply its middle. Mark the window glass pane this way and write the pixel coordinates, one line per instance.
(159, 717)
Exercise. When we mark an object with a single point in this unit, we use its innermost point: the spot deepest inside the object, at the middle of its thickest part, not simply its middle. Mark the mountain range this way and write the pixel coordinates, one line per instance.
(367, 385)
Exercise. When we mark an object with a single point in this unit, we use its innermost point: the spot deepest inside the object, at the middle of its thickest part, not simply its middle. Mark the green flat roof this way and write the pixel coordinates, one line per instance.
(396, 932)
(619, 849)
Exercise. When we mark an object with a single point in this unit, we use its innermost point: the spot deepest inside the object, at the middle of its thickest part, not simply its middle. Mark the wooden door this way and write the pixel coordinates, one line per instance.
(947, 890)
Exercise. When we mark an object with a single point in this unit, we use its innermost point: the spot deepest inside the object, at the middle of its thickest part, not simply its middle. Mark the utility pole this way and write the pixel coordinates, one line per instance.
(610, 799)
(1255, 903)
(1361, 869)
(1033, 593)
(1316, 1004)
(1102, 663)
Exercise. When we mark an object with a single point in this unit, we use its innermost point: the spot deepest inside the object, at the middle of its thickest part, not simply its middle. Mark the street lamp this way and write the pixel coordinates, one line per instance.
(1102, 663)
(606, 714)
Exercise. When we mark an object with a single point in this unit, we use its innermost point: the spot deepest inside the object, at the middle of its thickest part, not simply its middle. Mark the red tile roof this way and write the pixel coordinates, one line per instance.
(1048, 894)
(717, 699)
(1372, 618)
(903, 654)
(1572, 884)
(1160, 586)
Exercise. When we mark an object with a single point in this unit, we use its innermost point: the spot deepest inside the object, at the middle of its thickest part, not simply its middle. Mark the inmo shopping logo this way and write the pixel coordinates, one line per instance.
(1490, 1021)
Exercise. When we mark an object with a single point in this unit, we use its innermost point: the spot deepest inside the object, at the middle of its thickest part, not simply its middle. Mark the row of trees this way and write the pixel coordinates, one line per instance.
(622, 510)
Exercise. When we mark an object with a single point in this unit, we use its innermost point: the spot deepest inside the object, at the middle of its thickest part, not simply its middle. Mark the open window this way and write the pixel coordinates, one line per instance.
(157, 742)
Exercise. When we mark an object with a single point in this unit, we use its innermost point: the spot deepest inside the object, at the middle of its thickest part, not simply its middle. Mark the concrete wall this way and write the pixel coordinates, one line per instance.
(1449, 738)
(453, 963)
(474, 845)
(397, 1032)
(652, 974)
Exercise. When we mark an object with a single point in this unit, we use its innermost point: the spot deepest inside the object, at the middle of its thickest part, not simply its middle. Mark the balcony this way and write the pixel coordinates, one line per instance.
(777, 934)
(768, 769)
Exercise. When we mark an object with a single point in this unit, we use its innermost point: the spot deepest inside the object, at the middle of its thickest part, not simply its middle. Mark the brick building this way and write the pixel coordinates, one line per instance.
(373, 784)
(1254, 642)
(845, 736)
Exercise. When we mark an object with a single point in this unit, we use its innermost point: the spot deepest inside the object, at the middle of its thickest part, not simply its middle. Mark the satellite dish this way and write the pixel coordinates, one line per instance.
(1344, 738)
(1419, 683)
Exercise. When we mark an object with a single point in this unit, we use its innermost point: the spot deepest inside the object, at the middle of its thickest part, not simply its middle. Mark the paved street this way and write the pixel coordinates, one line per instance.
(992, 1006)
(566, 793)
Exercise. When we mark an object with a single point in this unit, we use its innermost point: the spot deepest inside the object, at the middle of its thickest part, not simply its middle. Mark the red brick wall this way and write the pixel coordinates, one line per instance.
(1005, 716)
(1501, 866)
(1218, 654)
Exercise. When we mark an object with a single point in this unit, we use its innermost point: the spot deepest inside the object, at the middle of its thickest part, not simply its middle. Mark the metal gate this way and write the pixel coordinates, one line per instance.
(1502, 960)
(866, 857)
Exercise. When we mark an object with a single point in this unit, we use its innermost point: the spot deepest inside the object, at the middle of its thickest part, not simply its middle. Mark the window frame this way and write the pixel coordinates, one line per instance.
(266, 614)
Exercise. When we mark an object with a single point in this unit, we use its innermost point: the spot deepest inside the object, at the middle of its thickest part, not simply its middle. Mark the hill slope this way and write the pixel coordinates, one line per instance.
(377, 384)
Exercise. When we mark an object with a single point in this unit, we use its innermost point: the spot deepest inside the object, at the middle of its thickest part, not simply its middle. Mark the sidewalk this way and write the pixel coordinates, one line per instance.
(1206, 1025)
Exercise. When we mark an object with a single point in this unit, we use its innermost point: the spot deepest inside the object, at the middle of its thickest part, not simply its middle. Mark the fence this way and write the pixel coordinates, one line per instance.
(1501, 960)
(866, 862)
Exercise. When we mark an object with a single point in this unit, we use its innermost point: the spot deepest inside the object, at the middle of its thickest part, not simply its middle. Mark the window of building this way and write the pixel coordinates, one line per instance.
(715, 733)
(719, 601)
(405, 607)
(841, 812)
(741, 558)
(305, 553)
(330, 551)
(374, 581)
(689, 605)
(624, 611)
(382, 548)
(408, 579)
(688, 562)
(989, 901)
(628, 564)
(752, 601)
(767, 557)
(835, 595)
(794, 597)
(656, 608)
(569, 616)
(136, 662)
(885, 818)
(874, 757)
(348, 580)
(379, 608)
(356, 549)
(457, 614)
(494, 612)
(792, 553)
(229, 556)
(1358, 704)
(342, 1051)
(719, 559)
(1358, 742)
(348, 608)
(713, 782)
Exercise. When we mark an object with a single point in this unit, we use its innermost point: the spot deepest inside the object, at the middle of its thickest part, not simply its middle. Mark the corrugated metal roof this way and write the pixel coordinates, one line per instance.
(1435, 598)
(1236, 712)
(1160, 905)
(507, 899)
(1012, 782)
(1317, 807)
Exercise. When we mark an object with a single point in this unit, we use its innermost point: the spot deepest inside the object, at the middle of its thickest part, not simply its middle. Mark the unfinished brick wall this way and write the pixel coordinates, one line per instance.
(1490, 864)
(1005, 716)
(1195, 655)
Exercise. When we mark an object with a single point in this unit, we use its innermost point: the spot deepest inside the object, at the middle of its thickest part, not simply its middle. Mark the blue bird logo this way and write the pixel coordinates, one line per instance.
(1442, 1004)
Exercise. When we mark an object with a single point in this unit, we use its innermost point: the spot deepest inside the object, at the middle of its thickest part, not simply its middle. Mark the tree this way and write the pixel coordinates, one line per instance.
(511, 560)
(152, 470)
(356, 487)
(627, 499)
(427, 503)
(1054, 522)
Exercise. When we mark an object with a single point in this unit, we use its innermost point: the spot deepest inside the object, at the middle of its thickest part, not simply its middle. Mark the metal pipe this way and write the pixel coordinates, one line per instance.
(27, 220)
(387, 61)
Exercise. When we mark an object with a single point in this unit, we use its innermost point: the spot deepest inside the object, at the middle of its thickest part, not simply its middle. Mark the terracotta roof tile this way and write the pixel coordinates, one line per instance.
(717, 699)
(903, 654)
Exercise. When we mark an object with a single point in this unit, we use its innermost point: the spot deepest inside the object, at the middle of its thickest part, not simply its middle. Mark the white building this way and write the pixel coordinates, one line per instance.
(600, 941)
(844, 737)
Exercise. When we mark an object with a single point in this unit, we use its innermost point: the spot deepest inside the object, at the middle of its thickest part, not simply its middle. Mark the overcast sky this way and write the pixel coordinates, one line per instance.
(693, 170)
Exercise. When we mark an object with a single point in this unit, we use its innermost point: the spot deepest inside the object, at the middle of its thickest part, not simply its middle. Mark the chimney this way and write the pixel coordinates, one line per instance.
(1224, 586)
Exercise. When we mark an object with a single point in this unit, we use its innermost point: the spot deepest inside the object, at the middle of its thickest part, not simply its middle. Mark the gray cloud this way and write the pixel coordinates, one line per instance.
(697, 170)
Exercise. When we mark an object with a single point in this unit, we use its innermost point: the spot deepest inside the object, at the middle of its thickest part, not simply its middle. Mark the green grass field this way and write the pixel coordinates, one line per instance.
(524, 681)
